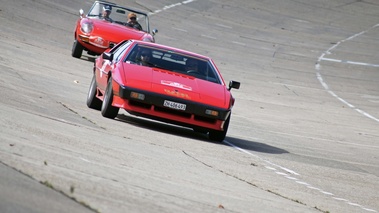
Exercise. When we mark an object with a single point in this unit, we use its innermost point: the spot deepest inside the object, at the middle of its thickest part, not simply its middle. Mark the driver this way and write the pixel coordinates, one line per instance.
(144, 58)
(107, 9)
(191, 65)
(132, 21)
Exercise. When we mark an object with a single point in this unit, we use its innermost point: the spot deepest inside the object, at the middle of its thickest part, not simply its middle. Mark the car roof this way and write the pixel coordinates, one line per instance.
(171, 48)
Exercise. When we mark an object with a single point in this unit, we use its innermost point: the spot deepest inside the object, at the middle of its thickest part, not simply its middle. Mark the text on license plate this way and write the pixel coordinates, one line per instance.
(174, 105)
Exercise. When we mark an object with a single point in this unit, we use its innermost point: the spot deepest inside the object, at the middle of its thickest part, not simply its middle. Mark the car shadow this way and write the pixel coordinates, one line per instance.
(161, 127)
(189, 133)
(254, 146)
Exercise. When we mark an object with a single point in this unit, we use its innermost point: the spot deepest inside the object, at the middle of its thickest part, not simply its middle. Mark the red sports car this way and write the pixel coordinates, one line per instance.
(106, 24)
(162, 83)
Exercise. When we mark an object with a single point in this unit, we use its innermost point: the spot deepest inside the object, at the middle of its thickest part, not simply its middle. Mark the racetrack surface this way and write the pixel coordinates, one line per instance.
(304, 131)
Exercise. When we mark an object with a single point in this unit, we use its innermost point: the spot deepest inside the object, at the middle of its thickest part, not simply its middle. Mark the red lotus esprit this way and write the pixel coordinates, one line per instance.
(105, 25)
(162, 83)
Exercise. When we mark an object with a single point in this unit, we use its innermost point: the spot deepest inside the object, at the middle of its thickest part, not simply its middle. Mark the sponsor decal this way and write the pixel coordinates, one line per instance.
(99, 42)
(177, 94)
(175, 84)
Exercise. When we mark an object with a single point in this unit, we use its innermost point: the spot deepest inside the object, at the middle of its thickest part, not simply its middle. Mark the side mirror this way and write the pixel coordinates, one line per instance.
(81, 13)
(234, 84)
(107, 56)
(155, 31)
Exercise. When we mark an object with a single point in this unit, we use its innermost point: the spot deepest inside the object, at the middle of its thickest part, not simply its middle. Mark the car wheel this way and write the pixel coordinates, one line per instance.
(107, 110)
(77, 49)
(92, 101)
(219, 136)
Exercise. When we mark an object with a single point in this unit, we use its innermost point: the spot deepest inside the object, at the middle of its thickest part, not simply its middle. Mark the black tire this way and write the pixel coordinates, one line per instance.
(219, 136)
(107, 110)
(92, 101)
(77, 49)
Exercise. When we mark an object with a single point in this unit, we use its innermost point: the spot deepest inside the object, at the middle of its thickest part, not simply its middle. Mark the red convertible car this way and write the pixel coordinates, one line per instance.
(106, 24)
(162, 83)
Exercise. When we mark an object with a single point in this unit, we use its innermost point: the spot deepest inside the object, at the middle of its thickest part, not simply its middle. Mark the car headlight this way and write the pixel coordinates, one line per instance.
(86, 27)
(211, 112)
(149, 38)
(137, 95)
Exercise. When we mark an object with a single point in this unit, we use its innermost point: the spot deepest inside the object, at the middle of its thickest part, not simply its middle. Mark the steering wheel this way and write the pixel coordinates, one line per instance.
(193, 72)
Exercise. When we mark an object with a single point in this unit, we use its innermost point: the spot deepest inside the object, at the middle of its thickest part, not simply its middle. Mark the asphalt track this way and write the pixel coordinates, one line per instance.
(303, 137)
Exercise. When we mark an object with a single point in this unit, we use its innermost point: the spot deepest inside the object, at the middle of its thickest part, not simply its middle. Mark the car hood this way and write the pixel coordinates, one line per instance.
(176, 85)
(115, 32)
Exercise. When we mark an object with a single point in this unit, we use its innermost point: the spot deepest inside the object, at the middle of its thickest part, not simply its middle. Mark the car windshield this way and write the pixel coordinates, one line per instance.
(118, 14)
(173, 61)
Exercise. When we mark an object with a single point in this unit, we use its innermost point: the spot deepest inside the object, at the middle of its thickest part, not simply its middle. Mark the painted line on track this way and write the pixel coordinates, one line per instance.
(272, 166)
(167, 7)
(349, 62)
(287, 174)
(325, 85)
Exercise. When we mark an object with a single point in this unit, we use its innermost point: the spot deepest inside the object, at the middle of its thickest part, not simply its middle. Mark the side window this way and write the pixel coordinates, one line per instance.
(119, 52)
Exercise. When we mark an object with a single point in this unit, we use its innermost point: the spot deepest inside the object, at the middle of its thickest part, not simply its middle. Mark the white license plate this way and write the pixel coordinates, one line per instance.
(174, 105)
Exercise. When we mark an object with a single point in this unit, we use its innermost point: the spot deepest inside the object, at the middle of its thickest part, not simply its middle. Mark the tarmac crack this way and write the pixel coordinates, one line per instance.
(83, 117)
(251, 184)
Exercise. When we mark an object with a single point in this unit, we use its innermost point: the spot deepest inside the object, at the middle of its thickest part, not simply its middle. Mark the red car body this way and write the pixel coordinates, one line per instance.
(95, 34)
(162, 90)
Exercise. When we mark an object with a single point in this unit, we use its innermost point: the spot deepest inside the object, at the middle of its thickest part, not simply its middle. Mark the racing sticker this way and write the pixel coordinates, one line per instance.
(177, 94)
(98, 41)
(175, 84)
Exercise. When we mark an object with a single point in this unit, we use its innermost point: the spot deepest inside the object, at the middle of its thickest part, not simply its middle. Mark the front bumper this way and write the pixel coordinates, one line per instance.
(95, 44)
(152, 106)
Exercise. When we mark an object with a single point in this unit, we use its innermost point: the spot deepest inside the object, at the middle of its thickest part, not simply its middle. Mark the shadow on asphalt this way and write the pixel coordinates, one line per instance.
(255, 146)
(189, 133)
(161, 127)
(88, 58)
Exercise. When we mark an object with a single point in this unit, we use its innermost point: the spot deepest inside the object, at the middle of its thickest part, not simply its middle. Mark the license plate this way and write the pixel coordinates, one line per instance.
(174, 105)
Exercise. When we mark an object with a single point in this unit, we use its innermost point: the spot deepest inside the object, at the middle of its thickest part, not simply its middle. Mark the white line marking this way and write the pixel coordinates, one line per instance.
(354, 204)
(292, 178)
(224, 26)
(295, 179)
(207, 36)
(281, 173)
(302, 183)
(85, 160)
(171, 6)
(330, 59)
(239, 43)
(326, 87)
(271, 168)
(349, 62)
(315, 188)
(179, 29)
(167, 7)
(327, 193)
(268, 162)
(341, 199)
(188, 1)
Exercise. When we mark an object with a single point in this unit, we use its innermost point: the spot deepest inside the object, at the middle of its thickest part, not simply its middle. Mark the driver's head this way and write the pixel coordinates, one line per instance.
(132, 17)
(191, 64)
(145, 55)
(107, 10)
